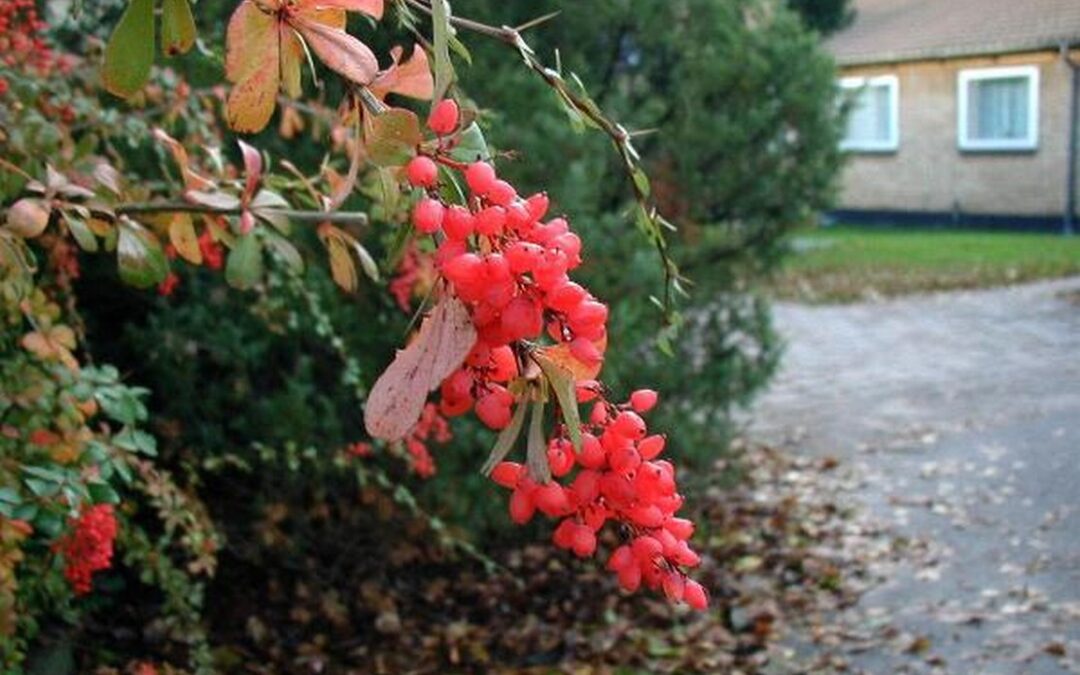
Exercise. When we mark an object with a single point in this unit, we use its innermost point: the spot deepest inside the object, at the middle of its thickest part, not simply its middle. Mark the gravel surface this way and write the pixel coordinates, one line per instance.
(957, 416)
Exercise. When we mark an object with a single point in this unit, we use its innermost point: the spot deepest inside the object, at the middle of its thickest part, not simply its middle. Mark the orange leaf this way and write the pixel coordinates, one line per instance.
(561, 355)
(340, 51)
(411, 77)
(373, 8)
(445, 338)
(252, 61)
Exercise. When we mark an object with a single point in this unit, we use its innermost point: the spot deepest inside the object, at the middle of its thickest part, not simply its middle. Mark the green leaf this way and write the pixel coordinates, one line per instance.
(46, 474)
(286, 252)
(506, 440)
(9, 495)
(177, 27)
(48, 524)
(562, 383)
(536, 449)
(471, 145)
(81, 232)
(102, 493)
(42, 488)
(441, 32)
(393, 137)
(140, 256)
(130, 52)
(134, 440)
(121, 404)
(244, 268)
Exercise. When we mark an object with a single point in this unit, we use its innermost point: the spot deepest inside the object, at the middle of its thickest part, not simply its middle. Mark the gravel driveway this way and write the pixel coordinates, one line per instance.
(958, 416)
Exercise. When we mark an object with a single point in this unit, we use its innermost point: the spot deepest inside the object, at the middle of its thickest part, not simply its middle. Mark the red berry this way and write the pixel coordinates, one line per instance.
(522, 506)
(481, 178)
(458, 222)
(560, 455)
(537, 205)
(422, 171)
(621, 558)
(583, 541)
(493, 408)
(428, 215)
(629, 425)
(504, 365)
(443, 119)
(552, 500)
(695, 596)
(651, 447)
(674, 586)
(490, 221)
(643, 400)
(501, 193)
(592, 454)
(507, 474)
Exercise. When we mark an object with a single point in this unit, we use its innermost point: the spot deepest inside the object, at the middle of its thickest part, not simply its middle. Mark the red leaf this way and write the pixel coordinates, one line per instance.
(252, 169)
(396, 401)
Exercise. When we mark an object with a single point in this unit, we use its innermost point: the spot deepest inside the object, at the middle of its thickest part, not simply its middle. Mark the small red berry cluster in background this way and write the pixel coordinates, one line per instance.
(432, 427)
(213, 257)
(511, 268)
(88, 548)
(21, 42)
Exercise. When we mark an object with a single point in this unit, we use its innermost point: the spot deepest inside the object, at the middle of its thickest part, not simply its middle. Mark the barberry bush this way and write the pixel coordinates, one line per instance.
(291, 228)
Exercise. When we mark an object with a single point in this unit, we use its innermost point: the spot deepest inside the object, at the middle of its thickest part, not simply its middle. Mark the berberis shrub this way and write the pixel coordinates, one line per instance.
(243, 282)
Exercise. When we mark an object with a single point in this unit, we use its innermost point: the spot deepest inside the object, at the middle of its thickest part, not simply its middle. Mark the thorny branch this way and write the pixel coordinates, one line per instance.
(586, 107)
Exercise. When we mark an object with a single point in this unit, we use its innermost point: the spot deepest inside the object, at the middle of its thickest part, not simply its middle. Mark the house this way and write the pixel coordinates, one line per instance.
(962, 111)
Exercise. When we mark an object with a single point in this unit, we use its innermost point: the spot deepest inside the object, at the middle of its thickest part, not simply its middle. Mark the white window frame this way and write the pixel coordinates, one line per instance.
(892, 82)
(1028, 143)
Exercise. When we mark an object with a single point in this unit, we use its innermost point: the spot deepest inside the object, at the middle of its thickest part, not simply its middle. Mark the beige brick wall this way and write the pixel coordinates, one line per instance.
(930, 173)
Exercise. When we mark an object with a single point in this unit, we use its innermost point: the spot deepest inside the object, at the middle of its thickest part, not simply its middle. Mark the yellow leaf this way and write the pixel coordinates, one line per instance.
(182, 235)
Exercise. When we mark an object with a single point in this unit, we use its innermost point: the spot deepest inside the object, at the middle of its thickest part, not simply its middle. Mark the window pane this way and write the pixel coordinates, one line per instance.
(998, 109)
(869, 120)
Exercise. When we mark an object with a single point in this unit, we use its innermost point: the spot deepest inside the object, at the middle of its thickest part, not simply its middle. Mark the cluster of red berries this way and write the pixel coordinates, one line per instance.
(510, 266)
(213, 257)
(21, 41)
(432, 427)
(88, 548)
(619, 478)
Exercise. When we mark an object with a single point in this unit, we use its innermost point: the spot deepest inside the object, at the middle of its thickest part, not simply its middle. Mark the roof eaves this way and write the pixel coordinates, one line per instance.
(935, 53)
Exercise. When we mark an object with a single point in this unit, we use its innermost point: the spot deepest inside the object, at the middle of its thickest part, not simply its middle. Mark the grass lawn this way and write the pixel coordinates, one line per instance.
(844, 264)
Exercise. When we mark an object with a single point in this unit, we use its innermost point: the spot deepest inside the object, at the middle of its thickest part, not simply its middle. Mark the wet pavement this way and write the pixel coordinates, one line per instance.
(957, 416)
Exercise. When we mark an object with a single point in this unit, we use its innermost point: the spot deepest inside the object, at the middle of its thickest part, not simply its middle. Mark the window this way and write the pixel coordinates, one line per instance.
(999, 109)
(872, 123)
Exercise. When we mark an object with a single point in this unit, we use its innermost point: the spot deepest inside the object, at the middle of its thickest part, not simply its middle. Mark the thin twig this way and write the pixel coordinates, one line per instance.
(616, 132)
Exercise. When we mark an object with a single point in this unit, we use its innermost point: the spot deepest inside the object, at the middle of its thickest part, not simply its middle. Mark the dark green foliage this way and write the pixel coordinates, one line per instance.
(739, 96)
(824, 16)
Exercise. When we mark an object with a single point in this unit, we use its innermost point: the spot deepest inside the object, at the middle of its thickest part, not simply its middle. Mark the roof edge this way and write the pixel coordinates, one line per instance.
(958, 52)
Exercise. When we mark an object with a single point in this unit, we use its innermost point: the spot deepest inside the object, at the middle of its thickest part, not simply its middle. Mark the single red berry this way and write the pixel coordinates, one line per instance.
(695, 596)
(501, 193)
(490, 221)
(651, 447)
(507, 474)
(493, 408)
(422, 171)
(481, 178)
(458, 222)
(643, 400)
(428, 215)
(443, 119)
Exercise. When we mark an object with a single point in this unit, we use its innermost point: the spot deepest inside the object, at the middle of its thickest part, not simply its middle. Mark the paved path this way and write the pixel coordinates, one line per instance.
(959, 414)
